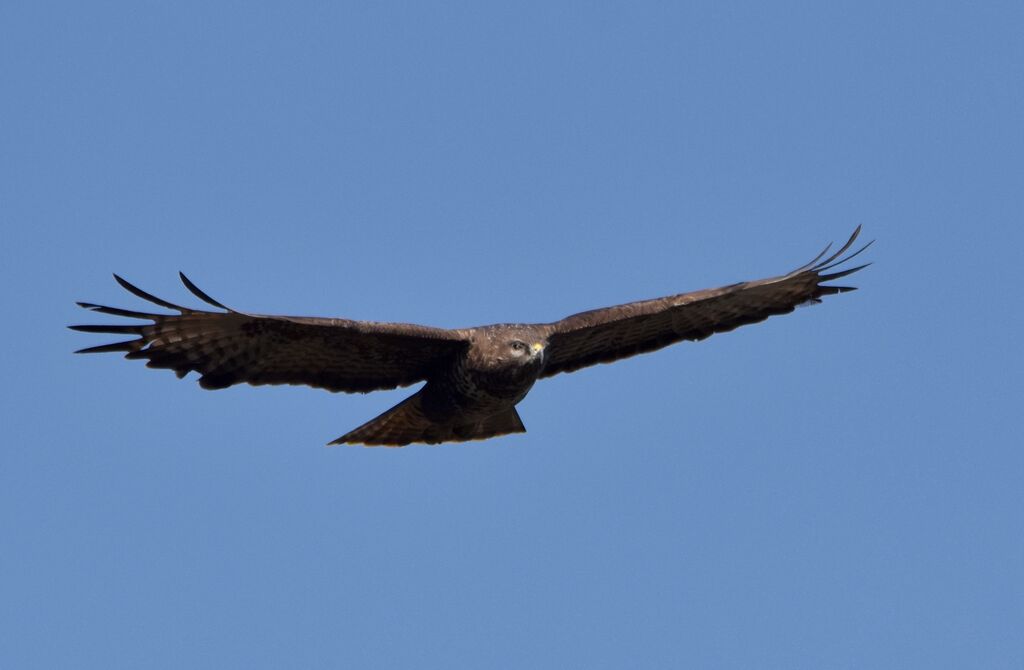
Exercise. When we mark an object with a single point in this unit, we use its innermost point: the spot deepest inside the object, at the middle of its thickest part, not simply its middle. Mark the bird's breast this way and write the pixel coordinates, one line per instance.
(473, 385)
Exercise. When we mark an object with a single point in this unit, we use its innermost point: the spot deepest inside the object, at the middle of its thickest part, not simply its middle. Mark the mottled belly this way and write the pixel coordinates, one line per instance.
(466, 393)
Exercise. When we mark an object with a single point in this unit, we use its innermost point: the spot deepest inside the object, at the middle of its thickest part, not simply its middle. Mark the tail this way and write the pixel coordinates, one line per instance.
(406, 423)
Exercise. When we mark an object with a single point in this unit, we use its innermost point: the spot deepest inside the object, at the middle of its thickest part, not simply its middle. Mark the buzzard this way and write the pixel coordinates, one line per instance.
(474, 376)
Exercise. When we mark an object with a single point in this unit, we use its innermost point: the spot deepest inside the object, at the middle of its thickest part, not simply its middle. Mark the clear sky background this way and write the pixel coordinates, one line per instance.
(837, 488)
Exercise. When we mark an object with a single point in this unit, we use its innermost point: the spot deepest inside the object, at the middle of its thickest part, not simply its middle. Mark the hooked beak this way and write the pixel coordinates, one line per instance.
(537, 349)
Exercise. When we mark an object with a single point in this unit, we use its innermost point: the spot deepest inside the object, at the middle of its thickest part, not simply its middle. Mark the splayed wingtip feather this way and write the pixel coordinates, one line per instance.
(199, 293)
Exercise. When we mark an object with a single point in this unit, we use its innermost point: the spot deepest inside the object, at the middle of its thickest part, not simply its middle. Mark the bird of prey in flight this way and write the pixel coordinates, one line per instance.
(474, 376)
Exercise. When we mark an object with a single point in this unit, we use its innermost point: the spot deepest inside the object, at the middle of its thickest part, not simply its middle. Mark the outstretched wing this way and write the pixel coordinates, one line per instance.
(229, 347)
(612, 333)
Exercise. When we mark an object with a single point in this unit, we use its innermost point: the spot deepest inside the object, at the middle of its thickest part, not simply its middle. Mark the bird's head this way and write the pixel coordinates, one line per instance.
(524, 351)
(508, 348)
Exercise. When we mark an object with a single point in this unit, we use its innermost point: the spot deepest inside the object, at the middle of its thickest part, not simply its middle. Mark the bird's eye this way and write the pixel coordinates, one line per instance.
(518, 346)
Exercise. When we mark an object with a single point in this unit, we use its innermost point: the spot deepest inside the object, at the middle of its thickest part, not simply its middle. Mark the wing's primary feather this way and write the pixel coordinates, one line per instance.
(231, 347)
(613, 333)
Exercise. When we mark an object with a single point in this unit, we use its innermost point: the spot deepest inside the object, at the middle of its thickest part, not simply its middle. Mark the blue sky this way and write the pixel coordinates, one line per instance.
(835, 488)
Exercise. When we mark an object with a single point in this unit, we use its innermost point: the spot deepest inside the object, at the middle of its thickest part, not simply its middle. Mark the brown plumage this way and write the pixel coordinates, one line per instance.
(474, 376)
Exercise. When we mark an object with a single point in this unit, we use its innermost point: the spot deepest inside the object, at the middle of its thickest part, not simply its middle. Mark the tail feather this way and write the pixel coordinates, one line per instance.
(406, 423)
